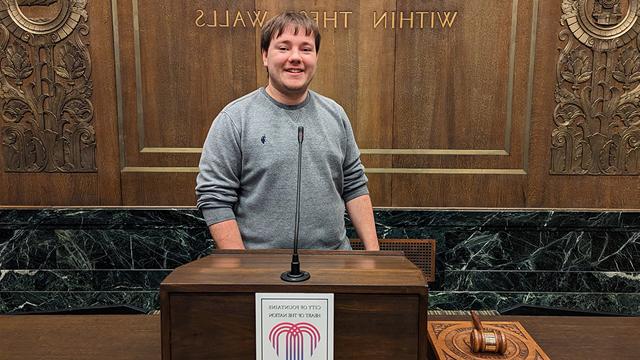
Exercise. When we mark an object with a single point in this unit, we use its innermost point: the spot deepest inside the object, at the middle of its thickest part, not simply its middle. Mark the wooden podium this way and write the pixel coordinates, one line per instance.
(208, 306)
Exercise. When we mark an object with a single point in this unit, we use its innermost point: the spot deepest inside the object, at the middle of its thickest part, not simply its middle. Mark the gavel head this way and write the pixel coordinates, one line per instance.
(492, 341)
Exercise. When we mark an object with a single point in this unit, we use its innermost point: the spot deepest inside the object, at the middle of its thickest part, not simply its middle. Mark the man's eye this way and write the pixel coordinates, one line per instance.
(282, 48)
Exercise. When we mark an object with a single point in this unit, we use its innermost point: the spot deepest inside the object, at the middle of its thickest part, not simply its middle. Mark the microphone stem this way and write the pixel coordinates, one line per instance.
(297, 225)
(297, 275)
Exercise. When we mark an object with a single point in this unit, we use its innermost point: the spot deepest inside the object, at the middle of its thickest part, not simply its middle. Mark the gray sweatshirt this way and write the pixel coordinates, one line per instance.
(248, 171)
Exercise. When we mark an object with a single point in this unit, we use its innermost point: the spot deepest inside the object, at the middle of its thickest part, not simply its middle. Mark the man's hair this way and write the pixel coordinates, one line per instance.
(275, 26)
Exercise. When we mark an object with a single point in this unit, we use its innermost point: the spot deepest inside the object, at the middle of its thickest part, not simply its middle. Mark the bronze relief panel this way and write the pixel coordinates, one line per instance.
(46, 89)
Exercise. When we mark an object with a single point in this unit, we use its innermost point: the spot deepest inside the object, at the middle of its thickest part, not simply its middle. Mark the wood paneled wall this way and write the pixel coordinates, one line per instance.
(452, 102)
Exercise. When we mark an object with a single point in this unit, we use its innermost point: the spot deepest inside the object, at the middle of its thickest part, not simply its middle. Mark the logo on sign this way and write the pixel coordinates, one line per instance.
(293, 337)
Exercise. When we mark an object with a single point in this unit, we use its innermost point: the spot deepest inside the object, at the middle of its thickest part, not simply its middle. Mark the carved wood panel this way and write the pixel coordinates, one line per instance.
(597, 116)
(46, 88)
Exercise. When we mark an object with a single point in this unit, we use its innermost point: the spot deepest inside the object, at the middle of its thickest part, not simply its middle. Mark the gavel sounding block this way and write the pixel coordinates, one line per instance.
(450, 340)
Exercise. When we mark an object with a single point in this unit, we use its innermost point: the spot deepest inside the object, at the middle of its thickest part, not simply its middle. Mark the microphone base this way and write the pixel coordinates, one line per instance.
(291, 277)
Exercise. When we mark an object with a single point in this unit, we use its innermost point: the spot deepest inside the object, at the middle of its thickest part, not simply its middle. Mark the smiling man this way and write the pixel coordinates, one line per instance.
(246, 187)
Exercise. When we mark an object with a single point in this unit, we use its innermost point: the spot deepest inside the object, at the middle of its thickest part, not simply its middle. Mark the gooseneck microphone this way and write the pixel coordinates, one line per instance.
(296, 275)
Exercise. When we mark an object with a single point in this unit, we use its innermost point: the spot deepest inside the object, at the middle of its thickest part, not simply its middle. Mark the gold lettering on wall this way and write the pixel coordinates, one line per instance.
(401, 19)
(597, 116)
(445, 21)
(409, 19)
(47, 114)
(239, 18)
(330, 19)
(221, 19)
(216, 18)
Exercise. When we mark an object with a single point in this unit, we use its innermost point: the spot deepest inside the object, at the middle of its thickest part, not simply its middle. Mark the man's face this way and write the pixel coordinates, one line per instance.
(291, 62)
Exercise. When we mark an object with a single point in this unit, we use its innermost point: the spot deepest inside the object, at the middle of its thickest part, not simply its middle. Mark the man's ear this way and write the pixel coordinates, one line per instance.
(264, 58)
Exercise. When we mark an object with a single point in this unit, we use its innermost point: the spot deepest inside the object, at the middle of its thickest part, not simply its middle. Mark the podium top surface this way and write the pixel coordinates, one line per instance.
(331, 271)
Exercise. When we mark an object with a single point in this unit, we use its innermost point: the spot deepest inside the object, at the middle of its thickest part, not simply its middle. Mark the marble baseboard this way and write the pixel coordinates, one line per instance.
(60, 258)
(612, 303)
(164, 248)
(49, 301)
(542, 250)
(91, 218)
(81, 280)
(542, 281)
(391, 219)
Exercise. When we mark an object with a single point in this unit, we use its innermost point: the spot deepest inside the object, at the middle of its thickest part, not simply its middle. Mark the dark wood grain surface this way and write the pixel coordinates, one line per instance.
(243, 271)
(137, 337)
(79, 337)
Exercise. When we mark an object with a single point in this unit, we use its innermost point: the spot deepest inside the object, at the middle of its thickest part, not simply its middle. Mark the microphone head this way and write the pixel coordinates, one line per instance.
(300, 134)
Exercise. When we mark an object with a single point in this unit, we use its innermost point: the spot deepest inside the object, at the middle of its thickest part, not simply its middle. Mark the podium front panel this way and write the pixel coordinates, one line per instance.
(380, 303)
(222, 326)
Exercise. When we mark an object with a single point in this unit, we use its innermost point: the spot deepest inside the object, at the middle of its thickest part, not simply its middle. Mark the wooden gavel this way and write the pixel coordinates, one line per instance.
(493, 341)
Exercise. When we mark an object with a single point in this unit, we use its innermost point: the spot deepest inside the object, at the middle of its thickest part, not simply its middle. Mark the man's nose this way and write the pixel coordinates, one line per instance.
(295, 56)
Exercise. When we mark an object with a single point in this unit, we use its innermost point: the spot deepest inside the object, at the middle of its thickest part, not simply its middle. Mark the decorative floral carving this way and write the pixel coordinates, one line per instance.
(72, 62)
(16, 63)
(597, 115)
(576, 67)
(45, 90)
(627, 70)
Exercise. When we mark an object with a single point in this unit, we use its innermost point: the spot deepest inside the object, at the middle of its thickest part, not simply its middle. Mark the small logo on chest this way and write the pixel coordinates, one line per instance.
(263, 139)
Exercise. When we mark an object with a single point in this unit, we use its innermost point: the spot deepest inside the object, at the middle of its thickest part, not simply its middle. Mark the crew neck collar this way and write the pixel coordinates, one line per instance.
(285, 106)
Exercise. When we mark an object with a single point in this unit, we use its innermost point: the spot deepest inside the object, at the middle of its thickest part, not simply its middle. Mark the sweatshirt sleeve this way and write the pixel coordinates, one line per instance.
(355, 181)
(218, 181)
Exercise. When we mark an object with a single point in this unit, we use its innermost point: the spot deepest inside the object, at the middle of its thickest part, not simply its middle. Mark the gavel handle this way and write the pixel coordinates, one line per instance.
(476, 321)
